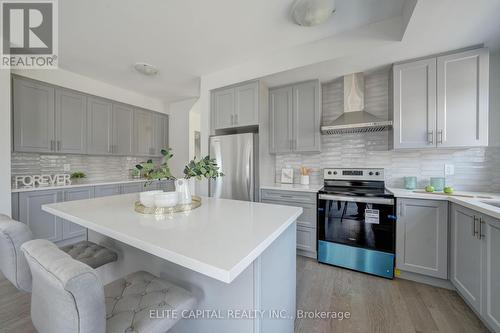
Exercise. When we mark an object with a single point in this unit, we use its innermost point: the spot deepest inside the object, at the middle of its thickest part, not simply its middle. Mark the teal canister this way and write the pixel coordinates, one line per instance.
(410, 183)
(438, 183)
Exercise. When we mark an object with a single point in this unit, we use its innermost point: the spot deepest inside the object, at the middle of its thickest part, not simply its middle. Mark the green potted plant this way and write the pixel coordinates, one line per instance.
(77, 176)
(203, 168)
(151, 171)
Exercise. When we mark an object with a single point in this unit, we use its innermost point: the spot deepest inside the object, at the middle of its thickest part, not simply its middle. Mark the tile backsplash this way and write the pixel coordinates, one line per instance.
(476, 169)
(97, 168)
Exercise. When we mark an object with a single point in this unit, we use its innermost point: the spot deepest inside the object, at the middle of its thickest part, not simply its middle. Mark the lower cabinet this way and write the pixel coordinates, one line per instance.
(475, 262)
(71, 230)
(306, 223)
(422, 237)
(132, 188)
(106, 190)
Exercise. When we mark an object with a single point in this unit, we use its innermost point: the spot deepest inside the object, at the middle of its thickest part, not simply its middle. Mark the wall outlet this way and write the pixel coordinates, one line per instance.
(66, 167)
(449, 169)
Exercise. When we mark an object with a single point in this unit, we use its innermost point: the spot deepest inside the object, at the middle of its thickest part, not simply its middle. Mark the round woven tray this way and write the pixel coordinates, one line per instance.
(195, 203)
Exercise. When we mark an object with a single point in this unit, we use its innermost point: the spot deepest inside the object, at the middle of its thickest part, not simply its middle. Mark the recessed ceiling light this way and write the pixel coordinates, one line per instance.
(146, 69)
(312, 12)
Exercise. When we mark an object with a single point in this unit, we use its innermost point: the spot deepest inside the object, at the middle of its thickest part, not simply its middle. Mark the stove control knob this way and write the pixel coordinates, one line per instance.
(335, 172)
(377, 173)
(329, 172)
(370, 173)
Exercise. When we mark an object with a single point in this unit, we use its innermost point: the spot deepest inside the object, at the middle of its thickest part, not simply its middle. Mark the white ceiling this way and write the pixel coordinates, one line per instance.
(186, 39)
(436, 26)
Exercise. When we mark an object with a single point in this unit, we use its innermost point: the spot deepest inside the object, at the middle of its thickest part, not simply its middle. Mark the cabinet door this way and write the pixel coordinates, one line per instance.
(306, 240)
(466, 255)
(123, 129)
(161, 133)
(422, 237)
(106, 190)
(42, 224)
(99, 126)
(223, 104)
(414, 123)
(71, 230)
(144, 132)
(491, 295)
(306, 117)
(247, 104)
(462, 99)
(70, 122)
(33, 108)
(132, 188)
(166, 185)
(280, 122)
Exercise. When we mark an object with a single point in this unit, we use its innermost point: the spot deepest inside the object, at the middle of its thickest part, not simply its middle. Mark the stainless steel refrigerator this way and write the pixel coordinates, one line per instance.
(237, 156)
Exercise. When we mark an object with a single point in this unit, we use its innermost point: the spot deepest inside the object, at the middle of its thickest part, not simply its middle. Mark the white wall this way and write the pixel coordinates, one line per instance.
(179, 134)
(5, 143)
(91, 86)
(494, 100)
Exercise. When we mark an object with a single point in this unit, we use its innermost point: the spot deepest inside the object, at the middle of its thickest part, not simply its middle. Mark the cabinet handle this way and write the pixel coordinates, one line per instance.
(430, 137)
(481, 222)
(236, 119)
(58, 145)
(232, 119)
(51, 145)
(440, 136)
(474, 229)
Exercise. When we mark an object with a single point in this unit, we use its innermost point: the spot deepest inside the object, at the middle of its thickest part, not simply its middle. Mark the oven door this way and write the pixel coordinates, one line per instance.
(364, 222)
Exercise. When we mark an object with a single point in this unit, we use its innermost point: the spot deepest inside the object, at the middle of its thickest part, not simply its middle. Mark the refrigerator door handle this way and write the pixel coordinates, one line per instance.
(248, 179)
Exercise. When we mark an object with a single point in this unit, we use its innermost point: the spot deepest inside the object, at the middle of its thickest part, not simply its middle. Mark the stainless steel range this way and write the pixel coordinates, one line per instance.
(357, 221)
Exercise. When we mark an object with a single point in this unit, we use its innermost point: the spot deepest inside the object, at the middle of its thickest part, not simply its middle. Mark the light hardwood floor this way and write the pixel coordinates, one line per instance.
(375, 304)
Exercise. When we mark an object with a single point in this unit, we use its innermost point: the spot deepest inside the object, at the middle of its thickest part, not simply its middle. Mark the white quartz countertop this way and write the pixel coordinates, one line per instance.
(292, 187)
(477, 201)
(220, 239)
(80, 184)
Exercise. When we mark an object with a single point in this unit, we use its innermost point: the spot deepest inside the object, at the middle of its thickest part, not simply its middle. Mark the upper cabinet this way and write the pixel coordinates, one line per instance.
(33, 115)
(295, 118)
(236, 106)
(442, 101)
(51, 119)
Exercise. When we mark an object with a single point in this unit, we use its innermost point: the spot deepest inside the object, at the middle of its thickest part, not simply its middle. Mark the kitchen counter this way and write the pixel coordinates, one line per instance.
(79, 184)
(293, 187)
(473, 200)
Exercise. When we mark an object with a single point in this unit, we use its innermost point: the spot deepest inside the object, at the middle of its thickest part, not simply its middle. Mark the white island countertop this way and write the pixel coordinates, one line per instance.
(220, 239)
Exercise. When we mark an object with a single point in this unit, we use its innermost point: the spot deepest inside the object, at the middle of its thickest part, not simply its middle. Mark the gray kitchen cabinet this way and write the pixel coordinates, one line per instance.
(123, 129)
(441, 101)
(223, 108)
(467, 264)
(106, 190)
(462, 99)
(166, 185)
(33, 116)
(280, 125)
(490, 229)
(144, 132)
(422, 237)
(414, 119)
(295, 116)
(236, 106)
(306, 222)
(131, 188)
(71, 230)
(162, 132)
(306, 117)
(100, 126)
(246, 104)
(42, 224)
(70, 122)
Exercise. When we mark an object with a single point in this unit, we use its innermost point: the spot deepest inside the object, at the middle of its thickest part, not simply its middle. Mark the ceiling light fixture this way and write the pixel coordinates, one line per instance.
(146, 69)
(312, 12)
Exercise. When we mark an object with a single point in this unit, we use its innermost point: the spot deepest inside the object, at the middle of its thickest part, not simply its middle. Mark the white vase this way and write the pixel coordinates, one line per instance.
(182, 189)
(304, 180)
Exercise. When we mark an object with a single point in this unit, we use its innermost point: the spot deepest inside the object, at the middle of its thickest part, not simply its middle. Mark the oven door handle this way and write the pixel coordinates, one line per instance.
(372, 200)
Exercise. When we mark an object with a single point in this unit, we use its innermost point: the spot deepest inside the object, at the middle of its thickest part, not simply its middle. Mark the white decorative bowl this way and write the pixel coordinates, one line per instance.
(148, 198)
(166, 199)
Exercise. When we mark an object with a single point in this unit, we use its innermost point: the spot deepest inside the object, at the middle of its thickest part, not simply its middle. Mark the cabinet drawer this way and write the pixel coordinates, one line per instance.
(306, 239)
(289, 196)
(306, 219)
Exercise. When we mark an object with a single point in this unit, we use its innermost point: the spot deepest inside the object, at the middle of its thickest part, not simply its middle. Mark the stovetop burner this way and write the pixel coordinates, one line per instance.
(355, 182)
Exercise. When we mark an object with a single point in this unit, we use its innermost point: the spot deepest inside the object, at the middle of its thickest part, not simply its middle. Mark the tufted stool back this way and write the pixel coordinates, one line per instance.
(13, 265)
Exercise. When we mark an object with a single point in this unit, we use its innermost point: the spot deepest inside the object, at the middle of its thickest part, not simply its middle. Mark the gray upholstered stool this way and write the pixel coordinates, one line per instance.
(68, 296)
(13, 264)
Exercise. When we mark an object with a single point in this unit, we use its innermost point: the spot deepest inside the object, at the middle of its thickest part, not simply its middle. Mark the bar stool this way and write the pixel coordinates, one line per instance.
(13, 264)
(68, 296)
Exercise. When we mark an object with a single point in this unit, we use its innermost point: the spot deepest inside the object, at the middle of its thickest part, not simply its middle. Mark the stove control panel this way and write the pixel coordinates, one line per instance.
(353, 174)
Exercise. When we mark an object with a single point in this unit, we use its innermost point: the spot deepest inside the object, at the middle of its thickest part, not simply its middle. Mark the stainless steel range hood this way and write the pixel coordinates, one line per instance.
(355, 119)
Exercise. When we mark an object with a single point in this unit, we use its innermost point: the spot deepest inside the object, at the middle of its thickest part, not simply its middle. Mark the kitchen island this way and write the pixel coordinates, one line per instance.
(237, 257)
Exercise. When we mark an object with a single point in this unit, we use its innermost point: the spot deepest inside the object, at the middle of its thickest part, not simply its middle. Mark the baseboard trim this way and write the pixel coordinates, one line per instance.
(436, 282)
